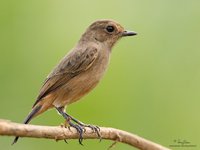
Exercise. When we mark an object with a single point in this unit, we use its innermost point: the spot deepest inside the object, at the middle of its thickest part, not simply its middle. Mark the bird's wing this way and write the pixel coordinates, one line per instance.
(69, 67)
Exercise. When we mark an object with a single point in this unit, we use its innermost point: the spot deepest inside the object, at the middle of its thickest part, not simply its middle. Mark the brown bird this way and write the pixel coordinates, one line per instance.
(79, 72)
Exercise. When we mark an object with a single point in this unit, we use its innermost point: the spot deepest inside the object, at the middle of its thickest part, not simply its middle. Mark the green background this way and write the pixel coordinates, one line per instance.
(152, 86)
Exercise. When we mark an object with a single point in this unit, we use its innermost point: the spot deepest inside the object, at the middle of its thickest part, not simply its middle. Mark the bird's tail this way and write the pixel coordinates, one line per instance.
(28, 119)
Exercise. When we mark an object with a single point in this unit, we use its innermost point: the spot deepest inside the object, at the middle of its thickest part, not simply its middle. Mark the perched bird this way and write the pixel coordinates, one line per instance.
(79, 72)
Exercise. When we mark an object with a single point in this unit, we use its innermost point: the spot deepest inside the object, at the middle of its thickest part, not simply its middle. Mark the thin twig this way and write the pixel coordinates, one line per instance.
(58, 133)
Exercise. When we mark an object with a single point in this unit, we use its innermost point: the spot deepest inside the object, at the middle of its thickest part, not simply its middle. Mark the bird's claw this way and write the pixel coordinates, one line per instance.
(80, 130)
(95, 129)
(65, 141)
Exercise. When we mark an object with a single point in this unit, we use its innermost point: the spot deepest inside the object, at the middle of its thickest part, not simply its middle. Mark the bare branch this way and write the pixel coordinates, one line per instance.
(58, 133)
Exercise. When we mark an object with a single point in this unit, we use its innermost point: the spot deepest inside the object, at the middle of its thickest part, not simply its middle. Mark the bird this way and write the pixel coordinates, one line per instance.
(79, 72)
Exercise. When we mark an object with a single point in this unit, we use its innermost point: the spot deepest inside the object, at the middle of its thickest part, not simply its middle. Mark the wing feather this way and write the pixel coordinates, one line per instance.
(70, 66)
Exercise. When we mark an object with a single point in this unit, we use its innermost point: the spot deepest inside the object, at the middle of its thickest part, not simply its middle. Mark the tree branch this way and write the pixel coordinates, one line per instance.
(58, 133)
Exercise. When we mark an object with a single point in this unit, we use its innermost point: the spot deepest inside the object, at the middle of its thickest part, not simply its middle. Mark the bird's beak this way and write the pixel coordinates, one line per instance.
(129, 33)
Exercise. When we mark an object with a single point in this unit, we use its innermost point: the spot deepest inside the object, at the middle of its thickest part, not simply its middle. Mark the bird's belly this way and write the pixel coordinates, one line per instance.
(79, 86)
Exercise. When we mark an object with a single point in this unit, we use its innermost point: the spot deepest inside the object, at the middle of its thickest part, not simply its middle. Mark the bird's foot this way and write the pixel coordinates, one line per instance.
(78, 125)
(83, 125)
(79, 129)
(95, 129)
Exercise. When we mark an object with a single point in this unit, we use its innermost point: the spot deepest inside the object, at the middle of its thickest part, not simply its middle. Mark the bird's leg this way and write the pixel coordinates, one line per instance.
(79, 123)
(93, 127)
(76, 126)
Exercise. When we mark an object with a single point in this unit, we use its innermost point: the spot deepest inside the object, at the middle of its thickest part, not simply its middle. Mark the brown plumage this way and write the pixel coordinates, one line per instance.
(79, 71)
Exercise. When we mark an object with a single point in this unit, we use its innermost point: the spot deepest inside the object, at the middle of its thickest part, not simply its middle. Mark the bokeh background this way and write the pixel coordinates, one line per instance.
(152, 86)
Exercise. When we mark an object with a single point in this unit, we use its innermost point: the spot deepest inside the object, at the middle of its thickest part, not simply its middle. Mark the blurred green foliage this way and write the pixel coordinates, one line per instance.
(152, 86)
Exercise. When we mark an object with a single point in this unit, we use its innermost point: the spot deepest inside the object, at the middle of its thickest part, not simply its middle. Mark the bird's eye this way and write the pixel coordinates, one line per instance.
(110, 28)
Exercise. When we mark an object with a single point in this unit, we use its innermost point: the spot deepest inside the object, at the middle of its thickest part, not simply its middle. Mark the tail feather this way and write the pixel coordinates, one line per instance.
(28, 119)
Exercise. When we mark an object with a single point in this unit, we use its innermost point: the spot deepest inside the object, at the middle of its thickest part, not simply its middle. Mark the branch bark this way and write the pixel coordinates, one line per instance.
(8, 128)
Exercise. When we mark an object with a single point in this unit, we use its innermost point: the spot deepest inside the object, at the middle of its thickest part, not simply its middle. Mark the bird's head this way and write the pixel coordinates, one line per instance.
(105, 31)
